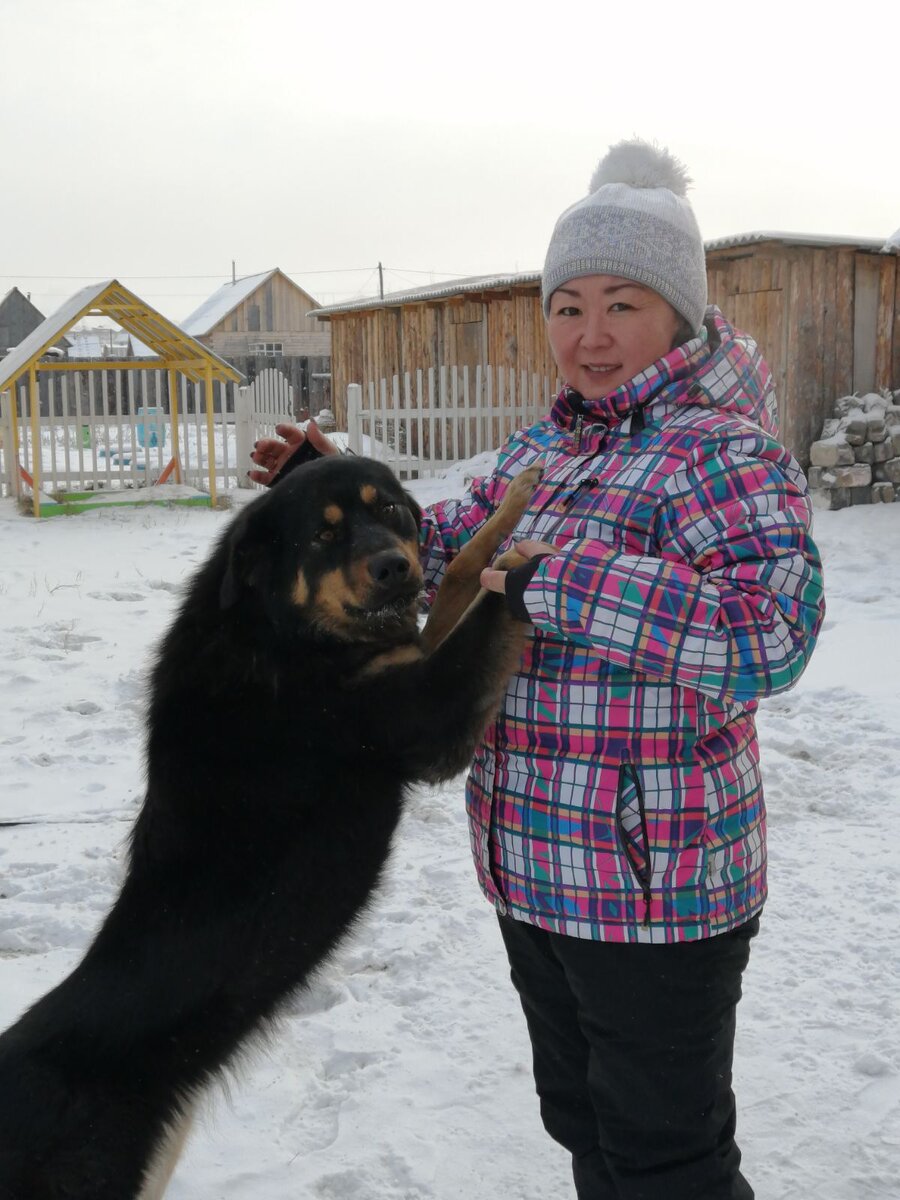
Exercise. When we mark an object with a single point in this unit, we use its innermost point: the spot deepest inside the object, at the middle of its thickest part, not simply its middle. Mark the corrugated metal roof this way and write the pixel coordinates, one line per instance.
(223, 301)
(111, 299)
(483, 283)
(434, 291)
(792, 239)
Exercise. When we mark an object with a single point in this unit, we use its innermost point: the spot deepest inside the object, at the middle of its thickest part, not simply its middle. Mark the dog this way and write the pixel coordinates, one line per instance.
(292, 701)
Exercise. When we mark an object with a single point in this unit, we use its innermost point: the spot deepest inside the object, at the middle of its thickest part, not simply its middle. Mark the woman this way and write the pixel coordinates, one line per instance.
(616, 808)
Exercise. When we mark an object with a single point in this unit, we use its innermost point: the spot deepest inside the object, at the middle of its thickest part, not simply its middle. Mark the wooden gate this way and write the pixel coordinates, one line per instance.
(267, 402)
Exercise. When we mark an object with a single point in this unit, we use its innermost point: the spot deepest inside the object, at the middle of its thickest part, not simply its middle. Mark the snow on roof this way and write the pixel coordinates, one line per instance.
(892, 245)
(49, 330)
(127, 310)
(792, 239)
(217, 306)
(434, 291)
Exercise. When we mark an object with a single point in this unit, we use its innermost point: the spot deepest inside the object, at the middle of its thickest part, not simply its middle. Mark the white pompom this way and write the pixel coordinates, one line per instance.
(641, 165)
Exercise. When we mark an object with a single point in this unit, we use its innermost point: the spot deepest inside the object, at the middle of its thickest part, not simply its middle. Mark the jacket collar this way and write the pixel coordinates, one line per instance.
(679, 364)
(720, 368)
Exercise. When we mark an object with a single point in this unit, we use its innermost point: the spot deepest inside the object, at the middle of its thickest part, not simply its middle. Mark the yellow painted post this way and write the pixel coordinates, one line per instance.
(34, 401)
(176, 428)
(15, 477)
(210, 436)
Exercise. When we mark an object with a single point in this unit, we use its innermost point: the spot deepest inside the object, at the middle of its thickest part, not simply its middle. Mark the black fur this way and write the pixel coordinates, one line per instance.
(279, 744)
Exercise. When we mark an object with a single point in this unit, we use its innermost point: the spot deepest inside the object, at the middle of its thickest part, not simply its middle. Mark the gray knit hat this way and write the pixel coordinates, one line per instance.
(635, 222)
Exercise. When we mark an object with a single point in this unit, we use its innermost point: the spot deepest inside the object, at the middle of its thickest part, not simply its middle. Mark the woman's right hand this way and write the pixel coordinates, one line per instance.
(270, 454)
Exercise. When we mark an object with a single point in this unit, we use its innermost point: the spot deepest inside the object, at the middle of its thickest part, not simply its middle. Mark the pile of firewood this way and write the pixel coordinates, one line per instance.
(857, 459)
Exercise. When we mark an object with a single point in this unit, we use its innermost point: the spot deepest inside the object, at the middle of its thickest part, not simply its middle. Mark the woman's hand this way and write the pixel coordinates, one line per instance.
(270, 454)
(494, 579)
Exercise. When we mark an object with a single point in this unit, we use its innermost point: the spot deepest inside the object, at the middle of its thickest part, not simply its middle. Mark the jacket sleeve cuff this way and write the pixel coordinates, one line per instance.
(517, 580)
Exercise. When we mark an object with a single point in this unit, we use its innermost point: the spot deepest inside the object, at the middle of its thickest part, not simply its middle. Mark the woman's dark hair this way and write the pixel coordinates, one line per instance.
(683, 333)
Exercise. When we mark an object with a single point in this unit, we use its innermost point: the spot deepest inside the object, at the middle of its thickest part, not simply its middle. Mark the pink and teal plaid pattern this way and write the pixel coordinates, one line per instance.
(618, 794)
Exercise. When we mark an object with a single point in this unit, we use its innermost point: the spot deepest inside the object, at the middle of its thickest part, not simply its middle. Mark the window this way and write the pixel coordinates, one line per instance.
(267, 348)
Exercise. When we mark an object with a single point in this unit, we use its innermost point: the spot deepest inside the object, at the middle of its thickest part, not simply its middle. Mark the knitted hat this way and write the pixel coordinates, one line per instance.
(636, 223)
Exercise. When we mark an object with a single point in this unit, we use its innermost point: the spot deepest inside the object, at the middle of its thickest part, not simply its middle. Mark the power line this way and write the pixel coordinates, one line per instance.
(218, 275)
(246, 275)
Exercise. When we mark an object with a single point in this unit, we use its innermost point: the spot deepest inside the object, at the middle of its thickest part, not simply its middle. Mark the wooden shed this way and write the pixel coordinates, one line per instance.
(480, 320)
(263, 321)
(825, 312)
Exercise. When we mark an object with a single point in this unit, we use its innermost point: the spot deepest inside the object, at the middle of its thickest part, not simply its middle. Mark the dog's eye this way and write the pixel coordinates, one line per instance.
(389, 509)
(324, 535)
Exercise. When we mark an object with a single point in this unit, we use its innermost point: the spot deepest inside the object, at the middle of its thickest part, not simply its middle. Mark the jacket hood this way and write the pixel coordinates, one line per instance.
(721, 368)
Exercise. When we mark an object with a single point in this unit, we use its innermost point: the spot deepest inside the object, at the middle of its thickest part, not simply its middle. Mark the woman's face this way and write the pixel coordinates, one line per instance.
(604, 330)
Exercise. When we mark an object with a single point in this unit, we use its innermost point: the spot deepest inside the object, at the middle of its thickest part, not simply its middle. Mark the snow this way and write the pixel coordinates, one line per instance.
(403, 1072)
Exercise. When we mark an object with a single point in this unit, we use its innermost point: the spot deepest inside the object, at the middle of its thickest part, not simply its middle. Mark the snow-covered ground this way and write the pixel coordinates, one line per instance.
(403, 1072)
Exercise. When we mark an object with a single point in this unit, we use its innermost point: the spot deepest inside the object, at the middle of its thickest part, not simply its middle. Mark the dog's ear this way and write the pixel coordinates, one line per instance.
(248, 557)
(414, 509)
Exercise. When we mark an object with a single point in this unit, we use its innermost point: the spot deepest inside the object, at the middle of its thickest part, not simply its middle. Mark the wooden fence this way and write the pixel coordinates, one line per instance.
(109, 429)
(421, 424)
(113, 428)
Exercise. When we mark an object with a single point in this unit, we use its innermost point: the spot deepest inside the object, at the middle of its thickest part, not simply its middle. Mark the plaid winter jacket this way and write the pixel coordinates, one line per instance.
(618, 795)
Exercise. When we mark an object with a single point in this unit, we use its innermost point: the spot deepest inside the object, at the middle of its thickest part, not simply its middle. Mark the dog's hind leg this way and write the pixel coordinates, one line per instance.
(166, 1157)
(460, 585)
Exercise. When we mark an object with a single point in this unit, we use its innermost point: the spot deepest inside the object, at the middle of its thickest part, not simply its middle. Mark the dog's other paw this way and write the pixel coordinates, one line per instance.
(507, 560)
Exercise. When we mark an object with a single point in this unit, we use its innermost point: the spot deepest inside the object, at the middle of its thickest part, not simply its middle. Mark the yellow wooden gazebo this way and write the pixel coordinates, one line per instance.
(177, 353)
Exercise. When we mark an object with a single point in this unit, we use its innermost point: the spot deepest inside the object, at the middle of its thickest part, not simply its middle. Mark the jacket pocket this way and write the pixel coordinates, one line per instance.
(631, 826)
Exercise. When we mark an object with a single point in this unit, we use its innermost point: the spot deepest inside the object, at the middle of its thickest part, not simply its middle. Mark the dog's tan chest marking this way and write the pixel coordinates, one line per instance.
(400, 656)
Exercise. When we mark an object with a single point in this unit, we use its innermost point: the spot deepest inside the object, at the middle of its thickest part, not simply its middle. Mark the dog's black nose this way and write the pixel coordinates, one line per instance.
(388, 568)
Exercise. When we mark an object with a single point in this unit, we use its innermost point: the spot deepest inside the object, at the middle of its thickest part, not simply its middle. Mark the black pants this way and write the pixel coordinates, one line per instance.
(632, 1050)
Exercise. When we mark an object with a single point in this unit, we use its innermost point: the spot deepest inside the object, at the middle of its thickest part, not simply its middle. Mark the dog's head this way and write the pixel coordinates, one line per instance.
(335, 544)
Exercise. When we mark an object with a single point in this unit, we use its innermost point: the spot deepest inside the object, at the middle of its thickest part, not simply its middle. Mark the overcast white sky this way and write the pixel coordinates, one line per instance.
(158, 140)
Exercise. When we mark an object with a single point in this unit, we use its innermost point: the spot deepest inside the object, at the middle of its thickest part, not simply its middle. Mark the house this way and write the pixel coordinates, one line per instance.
(265, 321)
(94, 341)
(18, 318)
(825, 311)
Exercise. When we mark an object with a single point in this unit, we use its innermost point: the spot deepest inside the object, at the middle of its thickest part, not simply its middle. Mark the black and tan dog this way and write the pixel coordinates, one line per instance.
(292, 702)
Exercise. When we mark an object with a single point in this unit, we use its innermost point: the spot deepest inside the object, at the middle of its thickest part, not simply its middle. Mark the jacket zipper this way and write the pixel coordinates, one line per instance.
(579, 427)
(642, 876)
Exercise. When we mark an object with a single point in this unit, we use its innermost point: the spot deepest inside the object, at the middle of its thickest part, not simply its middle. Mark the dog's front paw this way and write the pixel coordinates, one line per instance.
(517, 496)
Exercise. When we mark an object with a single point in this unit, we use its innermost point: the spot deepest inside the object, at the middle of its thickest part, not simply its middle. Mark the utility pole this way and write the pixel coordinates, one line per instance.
(233, 276)
(380, 282)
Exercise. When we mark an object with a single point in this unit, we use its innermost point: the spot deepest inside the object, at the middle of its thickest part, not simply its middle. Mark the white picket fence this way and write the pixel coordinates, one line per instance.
(87, 443)
(421, 424)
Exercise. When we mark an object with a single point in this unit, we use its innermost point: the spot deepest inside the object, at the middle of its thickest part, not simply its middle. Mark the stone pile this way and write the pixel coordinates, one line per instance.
(857, 460)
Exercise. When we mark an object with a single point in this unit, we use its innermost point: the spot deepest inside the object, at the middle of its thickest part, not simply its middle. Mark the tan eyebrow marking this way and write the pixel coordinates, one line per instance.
(368, 493)
(333, 514)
